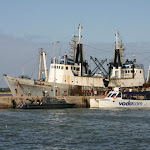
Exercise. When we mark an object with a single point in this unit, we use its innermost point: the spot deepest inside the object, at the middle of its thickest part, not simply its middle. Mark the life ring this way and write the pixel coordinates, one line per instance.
(104, 96)
(115, 96)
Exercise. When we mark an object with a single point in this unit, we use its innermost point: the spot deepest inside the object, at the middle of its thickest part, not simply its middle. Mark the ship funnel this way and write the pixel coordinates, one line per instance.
(79, 52)
(117, 55)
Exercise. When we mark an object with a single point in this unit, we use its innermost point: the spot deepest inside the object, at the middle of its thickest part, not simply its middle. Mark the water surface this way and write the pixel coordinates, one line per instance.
(75, 129)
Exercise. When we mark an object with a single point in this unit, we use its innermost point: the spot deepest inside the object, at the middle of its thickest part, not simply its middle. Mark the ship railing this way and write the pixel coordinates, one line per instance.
(138, 66)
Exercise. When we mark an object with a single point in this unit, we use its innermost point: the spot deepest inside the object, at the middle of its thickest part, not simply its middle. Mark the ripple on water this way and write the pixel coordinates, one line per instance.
(75, 129)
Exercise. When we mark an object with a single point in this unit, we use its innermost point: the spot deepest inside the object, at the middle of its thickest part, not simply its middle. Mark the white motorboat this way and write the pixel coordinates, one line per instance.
(116, 98)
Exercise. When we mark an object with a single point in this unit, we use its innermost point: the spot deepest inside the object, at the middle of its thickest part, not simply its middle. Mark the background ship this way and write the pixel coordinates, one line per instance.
(125, 75)
(72, 76)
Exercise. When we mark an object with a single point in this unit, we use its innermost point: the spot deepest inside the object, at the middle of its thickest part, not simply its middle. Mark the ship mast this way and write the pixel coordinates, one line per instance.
(42, 60)
(122, 52)
(80, 29)
(55, 66)
(117, 43)
(73, 47)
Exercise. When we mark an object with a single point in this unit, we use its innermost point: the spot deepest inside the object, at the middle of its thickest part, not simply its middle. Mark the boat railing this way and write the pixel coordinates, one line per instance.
(136, 95)
(138, 66)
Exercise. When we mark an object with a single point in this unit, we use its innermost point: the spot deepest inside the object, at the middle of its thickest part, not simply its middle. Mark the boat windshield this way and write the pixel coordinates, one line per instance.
(113, 94)
(109, 94)
(119, 95)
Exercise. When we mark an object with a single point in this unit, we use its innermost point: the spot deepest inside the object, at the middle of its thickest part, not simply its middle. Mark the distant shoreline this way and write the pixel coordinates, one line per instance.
(5, 94)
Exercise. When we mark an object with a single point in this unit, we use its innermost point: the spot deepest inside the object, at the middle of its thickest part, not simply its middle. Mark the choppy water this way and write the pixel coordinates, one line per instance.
(75, 129)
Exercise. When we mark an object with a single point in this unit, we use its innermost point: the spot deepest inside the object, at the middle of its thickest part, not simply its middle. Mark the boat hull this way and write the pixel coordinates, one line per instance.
(123, 103)
(94, 103)
(100, 103)
(48, 106)
(30, 87)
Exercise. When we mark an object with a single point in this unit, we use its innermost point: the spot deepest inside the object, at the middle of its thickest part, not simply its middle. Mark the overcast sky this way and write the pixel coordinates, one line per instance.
(27, 25)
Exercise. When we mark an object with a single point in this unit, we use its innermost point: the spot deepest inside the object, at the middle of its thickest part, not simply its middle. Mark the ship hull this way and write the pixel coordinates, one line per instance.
(126, 83)
(30, 87)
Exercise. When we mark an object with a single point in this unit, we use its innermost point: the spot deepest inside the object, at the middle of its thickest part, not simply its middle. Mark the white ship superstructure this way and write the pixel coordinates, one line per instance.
(66, 75)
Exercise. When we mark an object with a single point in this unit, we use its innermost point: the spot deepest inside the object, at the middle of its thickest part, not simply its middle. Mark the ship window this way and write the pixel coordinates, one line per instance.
(132, 71)
(57, 67)
(71, 68)
(65, 80)
(126, 71)
(109, 94)
(78, 69)
(140, 71)
(74, 68)
(66, 68)
(119, 95)
(113, 94)
(61, 67)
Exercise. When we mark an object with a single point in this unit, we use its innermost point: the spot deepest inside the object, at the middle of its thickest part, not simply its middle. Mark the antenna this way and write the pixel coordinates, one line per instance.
(23, 70)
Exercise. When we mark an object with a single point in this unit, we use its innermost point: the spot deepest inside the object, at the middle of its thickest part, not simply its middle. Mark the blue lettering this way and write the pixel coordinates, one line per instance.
(130, 103)
(120, 103)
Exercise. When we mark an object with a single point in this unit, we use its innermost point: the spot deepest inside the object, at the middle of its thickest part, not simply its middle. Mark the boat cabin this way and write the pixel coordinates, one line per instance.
(134, 95)
(115, 94)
